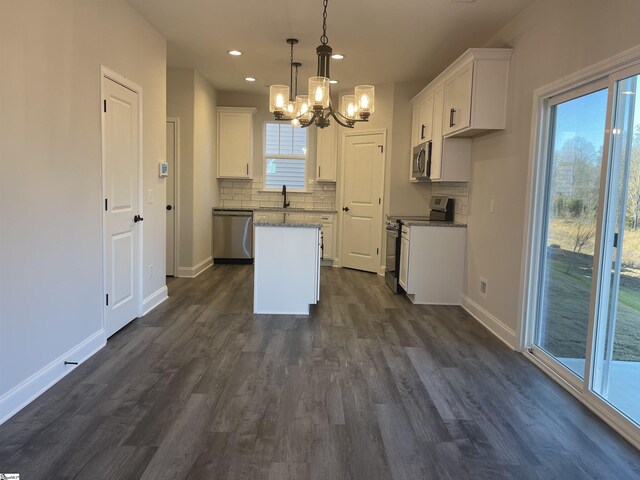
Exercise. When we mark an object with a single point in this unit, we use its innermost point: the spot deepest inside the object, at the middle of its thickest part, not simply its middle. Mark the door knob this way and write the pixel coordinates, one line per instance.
(345, 209)
(137, 218)
(169, 207)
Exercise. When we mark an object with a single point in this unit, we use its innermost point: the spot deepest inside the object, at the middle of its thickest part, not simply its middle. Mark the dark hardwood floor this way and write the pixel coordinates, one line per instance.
(367, 387)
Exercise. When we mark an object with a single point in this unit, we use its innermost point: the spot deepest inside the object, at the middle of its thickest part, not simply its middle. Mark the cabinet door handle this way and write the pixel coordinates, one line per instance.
(422, 135)
(247, 169)
(451, 114)
(319, 176)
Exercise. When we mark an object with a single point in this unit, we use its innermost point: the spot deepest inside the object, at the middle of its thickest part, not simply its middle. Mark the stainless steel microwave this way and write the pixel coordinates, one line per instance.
(421, 161)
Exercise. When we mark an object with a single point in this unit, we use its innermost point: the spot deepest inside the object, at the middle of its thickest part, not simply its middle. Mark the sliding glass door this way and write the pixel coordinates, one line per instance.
(587, 269)
(616, 366)
(576, 139)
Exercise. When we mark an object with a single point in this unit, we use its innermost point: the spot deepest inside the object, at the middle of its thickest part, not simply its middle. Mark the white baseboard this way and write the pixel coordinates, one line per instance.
(193, 272)
(490, 322)
(155, 299)
(21, 395)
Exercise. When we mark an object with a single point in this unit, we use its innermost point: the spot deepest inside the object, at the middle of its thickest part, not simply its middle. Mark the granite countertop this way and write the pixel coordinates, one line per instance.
(287, 224)
(276, 210)
(432, 223)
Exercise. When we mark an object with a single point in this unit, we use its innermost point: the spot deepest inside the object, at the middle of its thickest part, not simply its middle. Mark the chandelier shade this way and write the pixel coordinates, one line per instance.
(278, 98)
(365, 98)
(319, 92)
(349, 107)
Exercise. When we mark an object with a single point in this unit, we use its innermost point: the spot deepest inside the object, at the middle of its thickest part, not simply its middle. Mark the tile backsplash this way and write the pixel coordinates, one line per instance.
(251, 194)
(459, 191)
(320, 196)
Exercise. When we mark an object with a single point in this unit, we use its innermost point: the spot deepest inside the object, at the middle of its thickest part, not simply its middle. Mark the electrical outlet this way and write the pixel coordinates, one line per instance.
(150, 271)
(150, 196)
(483, 287)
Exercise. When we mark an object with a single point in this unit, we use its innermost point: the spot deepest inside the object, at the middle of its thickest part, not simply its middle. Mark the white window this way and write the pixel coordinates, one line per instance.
(285, 156)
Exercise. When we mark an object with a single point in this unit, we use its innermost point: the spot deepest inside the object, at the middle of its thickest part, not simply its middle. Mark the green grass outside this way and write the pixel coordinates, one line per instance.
(568, 290)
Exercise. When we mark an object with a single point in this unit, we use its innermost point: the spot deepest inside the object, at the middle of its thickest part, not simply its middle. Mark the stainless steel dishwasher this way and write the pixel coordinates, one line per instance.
(232, 236)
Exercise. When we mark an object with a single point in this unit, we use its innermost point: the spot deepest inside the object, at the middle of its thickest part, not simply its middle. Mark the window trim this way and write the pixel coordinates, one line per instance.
(297, 157)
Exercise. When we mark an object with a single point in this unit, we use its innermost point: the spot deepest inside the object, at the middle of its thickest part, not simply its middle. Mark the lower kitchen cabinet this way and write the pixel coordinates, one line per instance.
(432, 263)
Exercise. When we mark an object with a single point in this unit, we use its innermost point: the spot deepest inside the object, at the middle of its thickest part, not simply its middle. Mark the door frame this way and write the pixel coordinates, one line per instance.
(340, 192)
(108, 74)
(603, 71)
(176, 198)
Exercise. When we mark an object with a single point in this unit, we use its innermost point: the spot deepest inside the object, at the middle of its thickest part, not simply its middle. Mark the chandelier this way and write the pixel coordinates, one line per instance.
(316, 107)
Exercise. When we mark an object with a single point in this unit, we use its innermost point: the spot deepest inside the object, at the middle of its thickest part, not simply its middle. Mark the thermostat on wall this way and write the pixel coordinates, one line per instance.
(163, 169)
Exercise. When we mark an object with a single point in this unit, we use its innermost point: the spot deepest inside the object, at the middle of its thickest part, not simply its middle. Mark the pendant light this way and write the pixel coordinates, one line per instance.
(316, 108)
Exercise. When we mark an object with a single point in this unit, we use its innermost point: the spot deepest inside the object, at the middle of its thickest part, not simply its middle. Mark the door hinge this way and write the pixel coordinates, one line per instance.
(377, 251)
(107, 299)
(105, 106)
(106, 208)
(379, 200)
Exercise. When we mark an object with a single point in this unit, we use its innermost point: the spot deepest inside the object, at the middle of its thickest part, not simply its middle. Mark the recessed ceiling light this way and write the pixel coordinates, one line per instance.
(333, 81)
(250, 79)
(235, 53)
(337, 56)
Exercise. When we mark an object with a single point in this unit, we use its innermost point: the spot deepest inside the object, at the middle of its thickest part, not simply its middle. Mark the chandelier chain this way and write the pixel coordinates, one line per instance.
(291, 75)
(324, 39)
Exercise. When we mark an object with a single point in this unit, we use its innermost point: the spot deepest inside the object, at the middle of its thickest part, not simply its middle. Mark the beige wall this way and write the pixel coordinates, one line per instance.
(180, 104)
(51, 293)
(205, 187)
(192, 99)
(550, 39)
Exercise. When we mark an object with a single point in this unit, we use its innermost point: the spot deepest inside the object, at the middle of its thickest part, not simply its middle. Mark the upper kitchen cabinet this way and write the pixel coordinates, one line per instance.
(475, 92)
(235, 142)
(327, 153)
(450, 157)
(423, 120)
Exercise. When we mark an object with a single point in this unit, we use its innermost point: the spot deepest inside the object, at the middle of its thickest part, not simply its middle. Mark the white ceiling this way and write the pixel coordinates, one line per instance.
(382, 40)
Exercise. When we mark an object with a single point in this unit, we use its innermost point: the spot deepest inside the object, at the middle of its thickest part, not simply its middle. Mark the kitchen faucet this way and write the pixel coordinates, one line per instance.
(285, 204)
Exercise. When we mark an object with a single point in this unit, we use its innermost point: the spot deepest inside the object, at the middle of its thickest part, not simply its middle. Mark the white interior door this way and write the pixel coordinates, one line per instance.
(121, 230)
(171, 195)
(362, 201)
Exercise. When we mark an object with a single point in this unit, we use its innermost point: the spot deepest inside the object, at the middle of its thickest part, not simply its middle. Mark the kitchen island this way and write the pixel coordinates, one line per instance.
(286, 267)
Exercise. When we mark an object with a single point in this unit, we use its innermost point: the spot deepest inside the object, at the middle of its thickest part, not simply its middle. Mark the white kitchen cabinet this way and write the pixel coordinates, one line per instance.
(328, 237)
(450, 157)
(425, 130)
(404, 263)
(432, 264)
(327, 153)
(457, 100)
(235, 142)
(467, 99)
(328, 233)
(475, 87)
(422, 123)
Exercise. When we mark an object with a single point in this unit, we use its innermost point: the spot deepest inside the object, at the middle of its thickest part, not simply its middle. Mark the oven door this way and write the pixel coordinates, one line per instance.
(392, 260)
